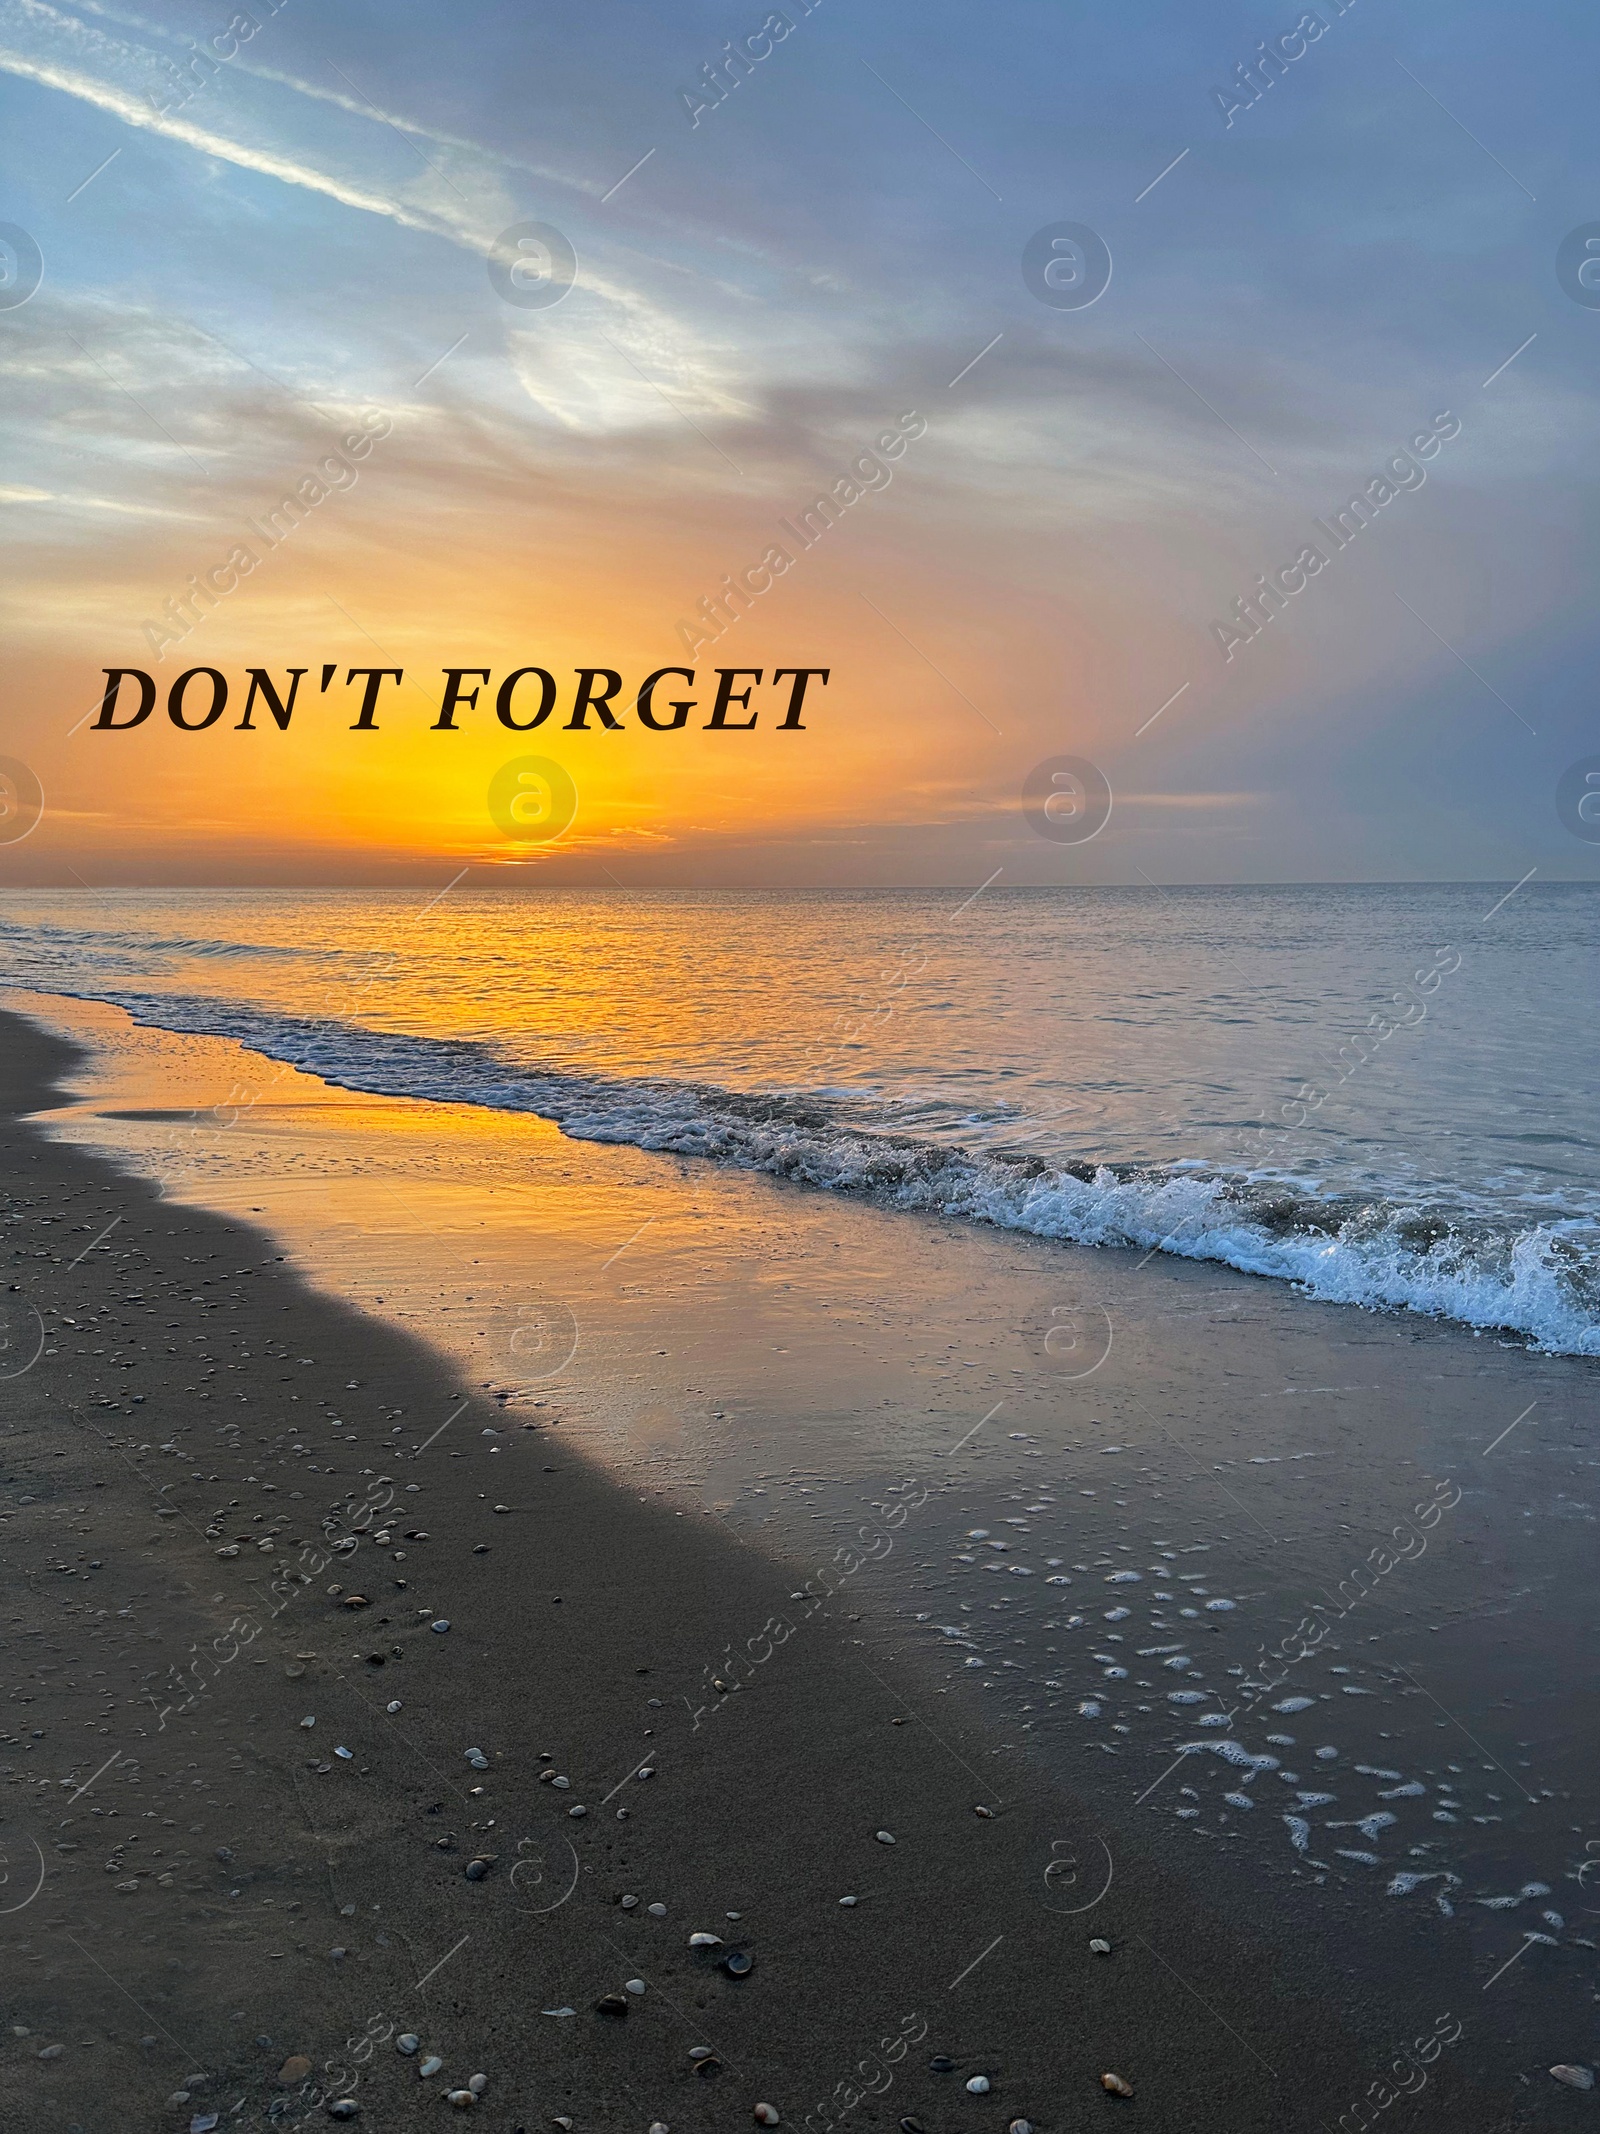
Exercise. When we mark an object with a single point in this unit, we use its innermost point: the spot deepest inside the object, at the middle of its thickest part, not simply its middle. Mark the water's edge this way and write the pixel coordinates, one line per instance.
(1530, 1281)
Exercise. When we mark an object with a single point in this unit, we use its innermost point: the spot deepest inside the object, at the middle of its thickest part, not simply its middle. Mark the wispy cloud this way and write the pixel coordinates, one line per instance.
(124, 105)
(341, 100)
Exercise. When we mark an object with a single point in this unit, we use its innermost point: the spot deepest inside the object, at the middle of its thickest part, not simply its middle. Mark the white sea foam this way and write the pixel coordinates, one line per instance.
(1232, 1752)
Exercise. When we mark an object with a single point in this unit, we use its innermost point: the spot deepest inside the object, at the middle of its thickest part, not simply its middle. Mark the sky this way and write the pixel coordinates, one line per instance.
(245, 264)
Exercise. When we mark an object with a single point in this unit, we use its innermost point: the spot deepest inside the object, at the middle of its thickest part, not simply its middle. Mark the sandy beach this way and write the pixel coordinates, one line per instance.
(184, 1371)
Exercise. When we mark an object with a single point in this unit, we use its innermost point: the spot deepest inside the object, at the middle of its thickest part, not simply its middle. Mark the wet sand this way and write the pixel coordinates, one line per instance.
(168, 1824)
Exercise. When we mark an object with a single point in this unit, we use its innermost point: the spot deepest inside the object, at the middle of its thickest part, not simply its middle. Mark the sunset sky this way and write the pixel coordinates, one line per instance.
(301, 239)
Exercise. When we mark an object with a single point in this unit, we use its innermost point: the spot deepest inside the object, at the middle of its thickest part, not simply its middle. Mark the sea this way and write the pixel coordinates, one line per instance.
(1383, 1095)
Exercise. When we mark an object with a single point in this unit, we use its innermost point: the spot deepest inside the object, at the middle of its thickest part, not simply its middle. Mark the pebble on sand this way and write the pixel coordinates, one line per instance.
(294, 2069)
(430, 2066)
(1021, 2126)
(407, 2042)
(345, 2108)
(978, 2086)
(705, 1941)
(884, 1837)
(463, 2100)
(1116, 2085)
(1100, 1948)
(441, 1626)
(766, 2115)
(1576, 2078)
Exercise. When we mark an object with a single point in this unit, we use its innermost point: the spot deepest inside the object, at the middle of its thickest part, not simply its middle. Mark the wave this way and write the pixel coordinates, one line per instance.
(1431, 1254)
(57, 944)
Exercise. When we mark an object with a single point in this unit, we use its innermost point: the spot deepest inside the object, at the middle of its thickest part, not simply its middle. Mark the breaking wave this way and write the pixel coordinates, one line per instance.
(1433, 1254)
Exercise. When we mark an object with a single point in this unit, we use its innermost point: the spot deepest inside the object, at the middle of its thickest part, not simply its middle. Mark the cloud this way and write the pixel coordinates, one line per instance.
(123, 104)
(356, 104)
(637, 370)
(131, 83)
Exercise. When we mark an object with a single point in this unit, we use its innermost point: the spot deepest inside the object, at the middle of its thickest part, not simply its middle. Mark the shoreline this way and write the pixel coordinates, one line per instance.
(771, 1813)
(1237, 1208)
